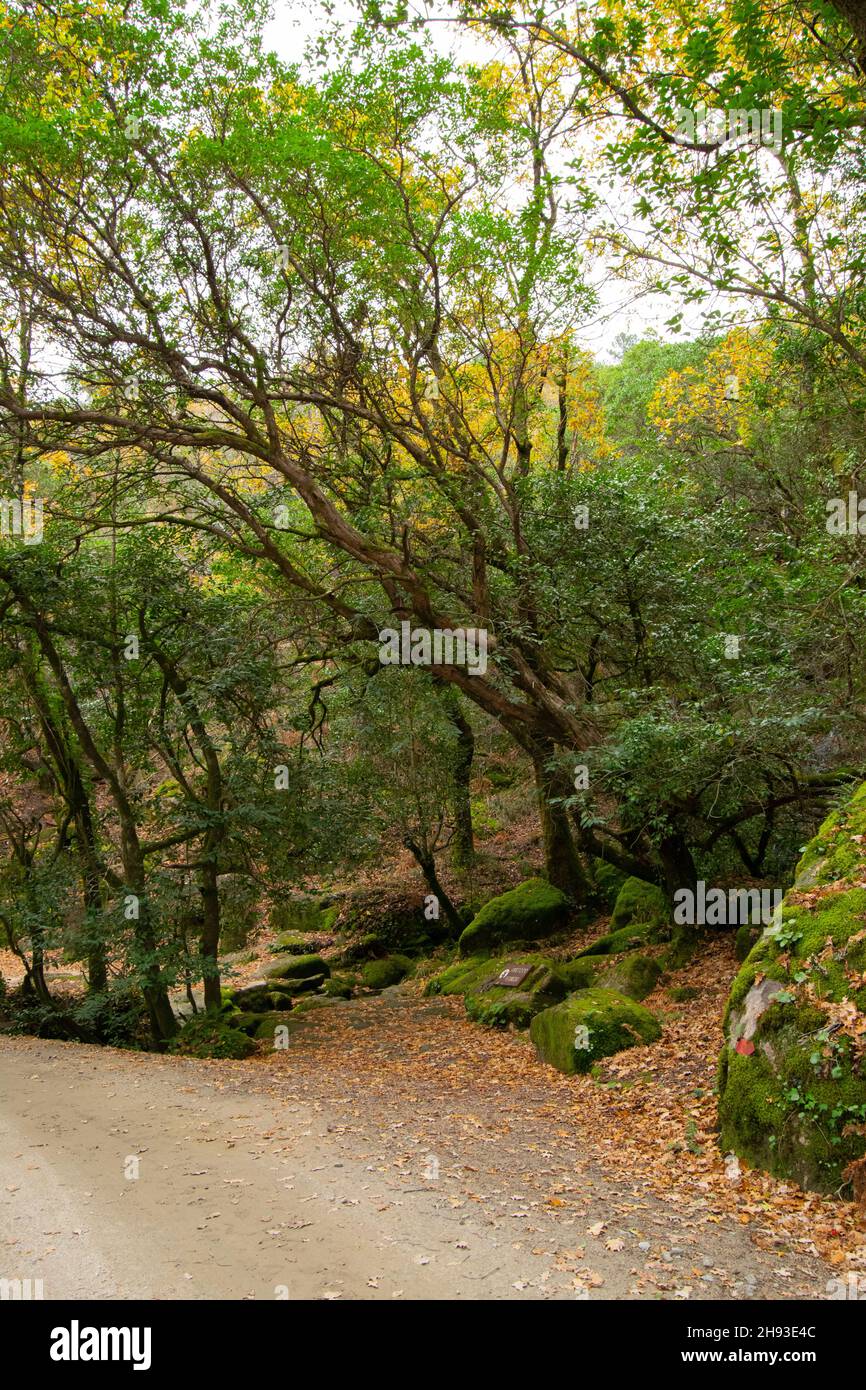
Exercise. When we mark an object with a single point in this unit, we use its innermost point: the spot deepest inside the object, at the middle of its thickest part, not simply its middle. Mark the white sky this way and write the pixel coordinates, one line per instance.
(296, 22)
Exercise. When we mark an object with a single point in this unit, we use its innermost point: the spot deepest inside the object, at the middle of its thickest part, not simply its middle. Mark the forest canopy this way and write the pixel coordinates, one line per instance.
(295, 354)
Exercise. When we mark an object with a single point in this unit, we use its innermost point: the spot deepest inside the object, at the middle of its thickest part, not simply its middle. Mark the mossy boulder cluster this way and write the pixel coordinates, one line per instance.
(590, 1025)
(530, 912)
(586, 998)
(635, 976)
(371, 927)
(499, 1005)
(792, 1076)
(641, 917)
(211, 1035)
(290, 990)
(380, 974)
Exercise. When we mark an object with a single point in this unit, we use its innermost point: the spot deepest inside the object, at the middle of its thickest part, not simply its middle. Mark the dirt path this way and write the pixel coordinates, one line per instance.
(350, 1166)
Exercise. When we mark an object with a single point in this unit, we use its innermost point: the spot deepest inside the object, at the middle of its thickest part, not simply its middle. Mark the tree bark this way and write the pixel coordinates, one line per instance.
(463, 846)
(561, 861)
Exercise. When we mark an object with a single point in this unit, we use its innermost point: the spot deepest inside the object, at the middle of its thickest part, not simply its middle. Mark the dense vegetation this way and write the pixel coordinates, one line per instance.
(291, 355)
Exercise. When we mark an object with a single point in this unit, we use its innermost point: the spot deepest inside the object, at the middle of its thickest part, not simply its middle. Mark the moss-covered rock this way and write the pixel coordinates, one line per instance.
(746, 937)
(211, 1035)
(298, 968)
(608, 882)
(626, 939)
(497, 1006)
(579, 973)
(639, 902)
(260, 1025)
(371, 946)
(635, 976)
(532, 910)
(374, 924)
(298, 944)
(467, 976)
(792, 1075)
(339, 987)
(255, 998)
(379, 974)
(589, 1025)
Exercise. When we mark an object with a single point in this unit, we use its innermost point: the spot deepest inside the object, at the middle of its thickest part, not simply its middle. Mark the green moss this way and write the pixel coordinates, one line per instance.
(746, 937)
(295, 945)
(298, 968)
(497, 1008)
(339, 987)
(578, 973)
(636, 976)
(209, 1035)
(467, 976)
(639, 902)
(532, 910)
(595, 1023)
(793, 1104)
(834, 854)
(379, 974)
(626, 939)
(299, 915)
(608, 881)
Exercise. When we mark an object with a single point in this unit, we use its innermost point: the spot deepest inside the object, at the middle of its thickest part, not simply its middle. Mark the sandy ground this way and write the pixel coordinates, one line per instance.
(245, 1190)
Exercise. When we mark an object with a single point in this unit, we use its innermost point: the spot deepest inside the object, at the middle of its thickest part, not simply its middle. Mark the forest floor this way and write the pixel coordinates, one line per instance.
(396, 1150)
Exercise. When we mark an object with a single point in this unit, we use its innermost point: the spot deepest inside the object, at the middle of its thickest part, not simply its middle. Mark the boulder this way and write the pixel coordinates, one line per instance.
(792, 1074)
(499, 1005)
(636, 976)
(254, 998)
(638, 902)
(302, 914)
(626, 939)
(579, 973)
(746, 937)
(293, 944)
(269, 1023)
(589, 1025)
(257, 1025)
(211, 1035)
(379, 974)
(532, 910)
(339, 987)
(298, 968)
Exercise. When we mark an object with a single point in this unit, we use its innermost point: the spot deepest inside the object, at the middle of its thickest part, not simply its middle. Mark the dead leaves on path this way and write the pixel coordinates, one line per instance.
(650, 1116)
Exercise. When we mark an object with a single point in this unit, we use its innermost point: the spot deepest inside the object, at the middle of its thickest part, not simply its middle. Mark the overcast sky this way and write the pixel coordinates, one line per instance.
(295, 23)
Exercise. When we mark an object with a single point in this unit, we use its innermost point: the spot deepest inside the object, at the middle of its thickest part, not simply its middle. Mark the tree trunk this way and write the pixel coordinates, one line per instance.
(427, 865)
(463, 845)
(561, 861)
(210, 933)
